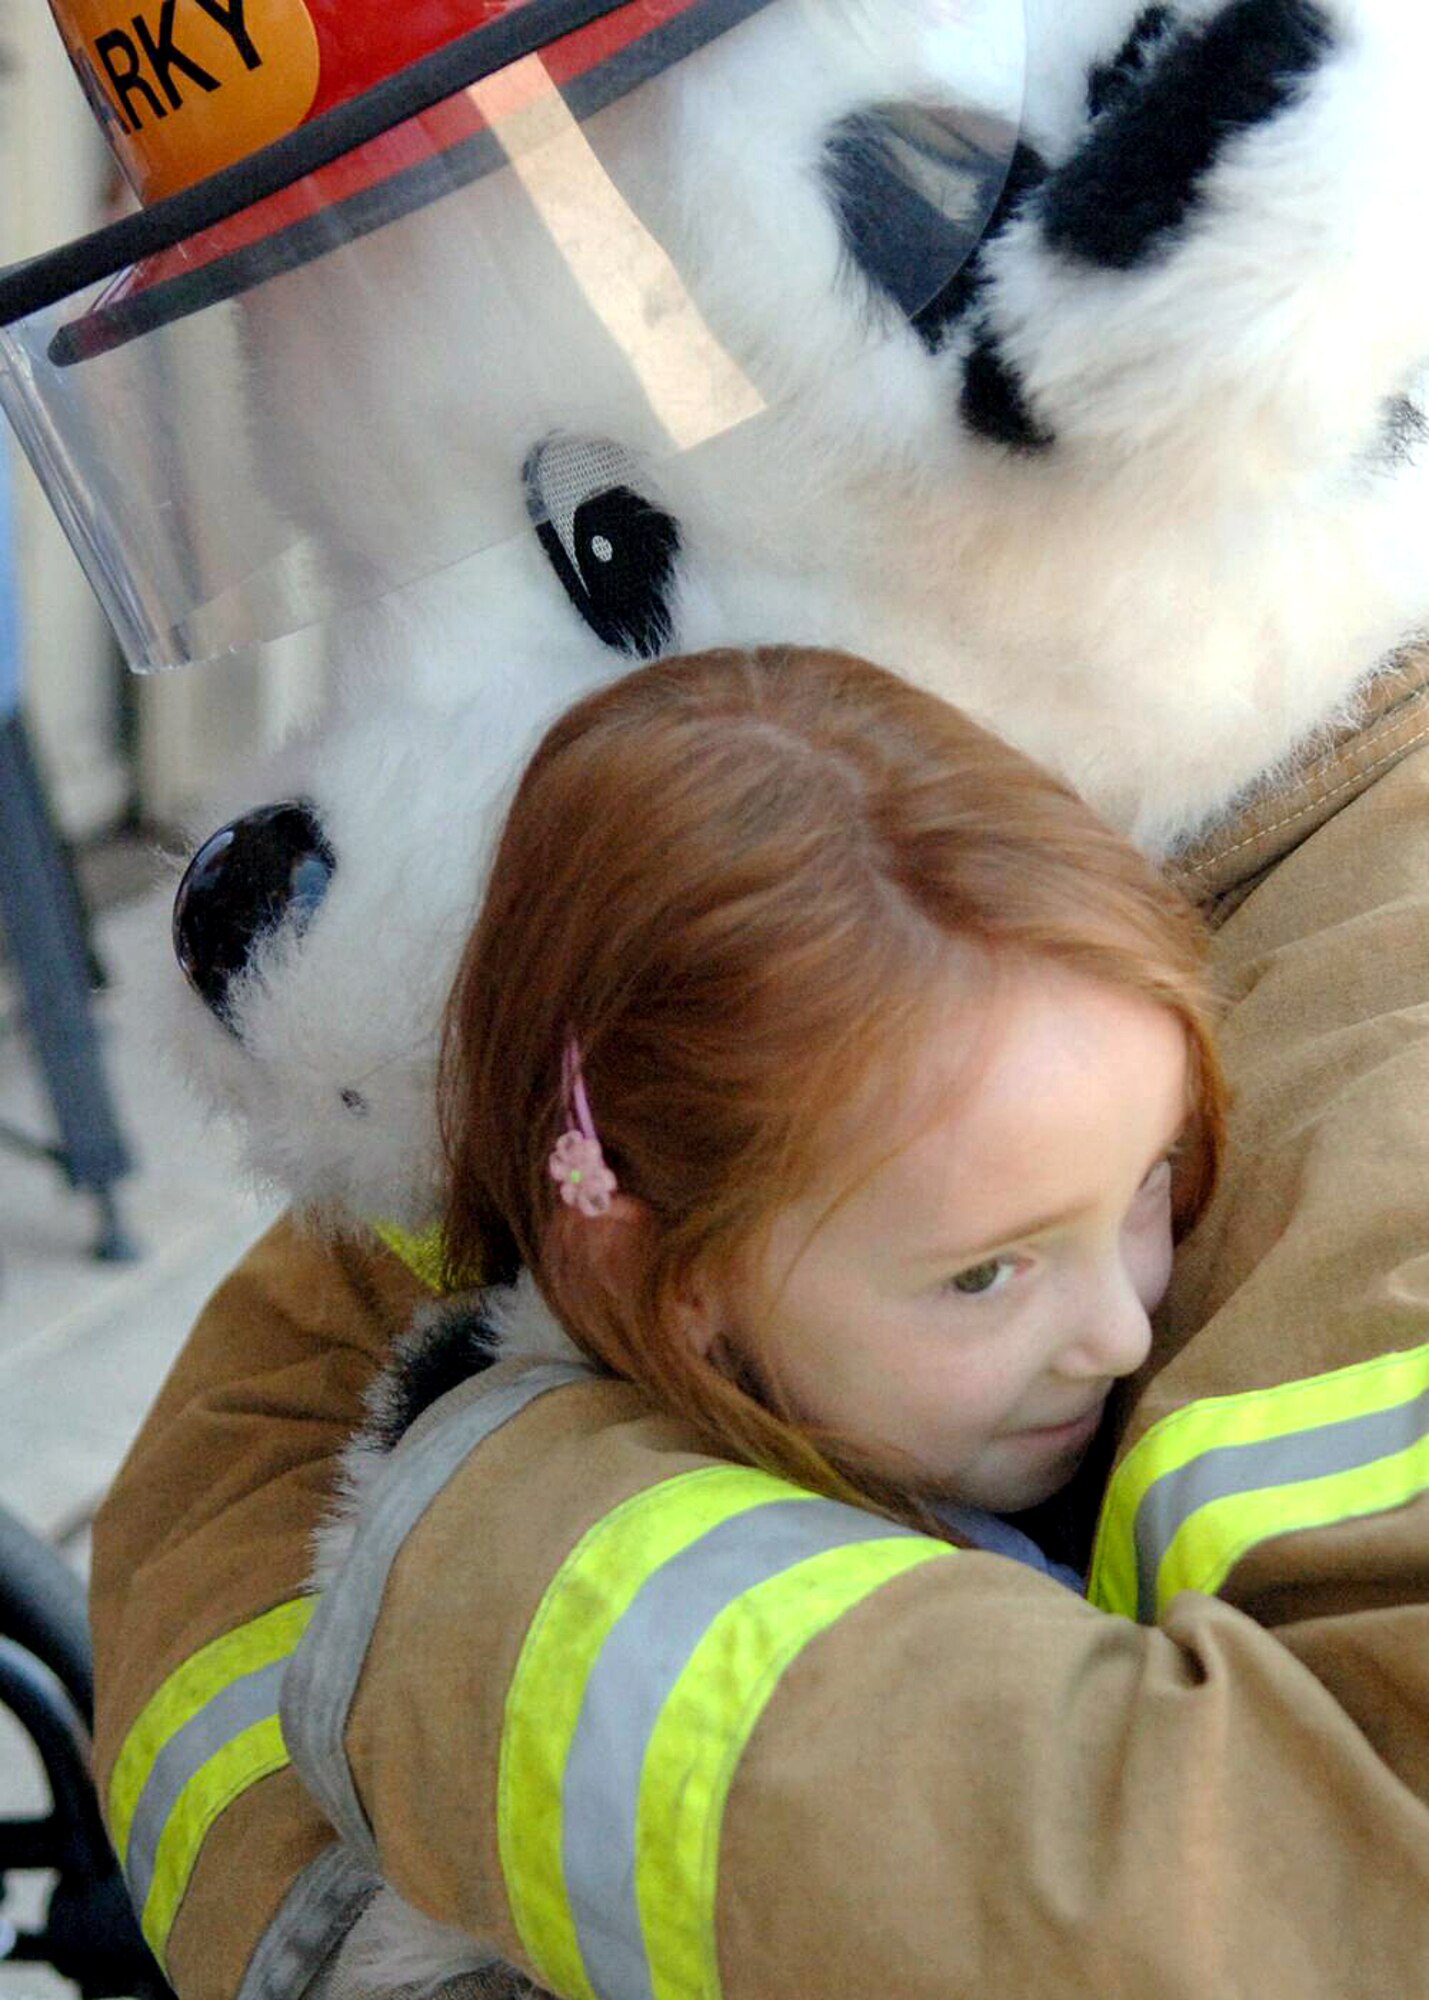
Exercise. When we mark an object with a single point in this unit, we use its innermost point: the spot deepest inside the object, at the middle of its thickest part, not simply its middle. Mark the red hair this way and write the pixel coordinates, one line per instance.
(734, 878)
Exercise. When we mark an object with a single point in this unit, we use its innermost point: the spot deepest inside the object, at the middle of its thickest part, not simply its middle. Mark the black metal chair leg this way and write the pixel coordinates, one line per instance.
(114, 1244)
(89, 1933)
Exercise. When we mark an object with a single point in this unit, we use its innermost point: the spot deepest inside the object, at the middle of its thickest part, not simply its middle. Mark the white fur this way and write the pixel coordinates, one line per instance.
(1201, 573)
(524, 1327)
(395, 1949)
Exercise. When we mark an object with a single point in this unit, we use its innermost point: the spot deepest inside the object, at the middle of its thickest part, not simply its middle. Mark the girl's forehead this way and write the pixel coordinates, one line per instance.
(1033, 1081)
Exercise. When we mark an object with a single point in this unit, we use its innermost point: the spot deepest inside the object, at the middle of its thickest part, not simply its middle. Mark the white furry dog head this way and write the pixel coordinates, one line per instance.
(1141, 484)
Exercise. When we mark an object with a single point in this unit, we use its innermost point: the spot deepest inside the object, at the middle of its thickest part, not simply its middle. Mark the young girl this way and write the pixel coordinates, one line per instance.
(841, 1079)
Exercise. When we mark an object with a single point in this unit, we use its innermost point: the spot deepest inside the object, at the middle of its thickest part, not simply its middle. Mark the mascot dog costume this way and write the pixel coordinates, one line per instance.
(1077, 379)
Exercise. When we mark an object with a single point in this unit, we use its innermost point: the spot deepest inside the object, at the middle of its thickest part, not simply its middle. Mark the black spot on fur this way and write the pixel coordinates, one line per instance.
(1110, 82)
(1406, 432)
(994, 403)
(429, 1362)
(1137, 177)
(934, 321)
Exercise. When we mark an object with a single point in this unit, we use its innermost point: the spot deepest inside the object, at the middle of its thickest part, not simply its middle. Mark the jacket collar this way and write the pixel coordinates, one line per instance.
(1220, 869)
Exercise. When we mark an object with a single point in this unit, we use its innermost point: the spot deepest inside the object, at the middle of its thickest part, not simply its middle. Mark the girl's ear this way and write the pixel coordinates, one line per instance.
(609, 1251)
(695, 1322)
(703, 1313)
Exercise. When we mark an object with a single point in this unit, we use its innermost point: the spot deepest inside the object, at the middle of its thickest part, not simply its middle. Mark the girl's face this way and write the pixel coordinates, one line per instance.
(963, 1314)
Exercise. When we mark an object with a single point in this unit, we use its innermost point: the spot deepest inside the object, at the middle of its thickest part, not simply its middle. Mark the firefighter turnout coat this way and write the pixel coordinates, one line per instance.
(660, 1725)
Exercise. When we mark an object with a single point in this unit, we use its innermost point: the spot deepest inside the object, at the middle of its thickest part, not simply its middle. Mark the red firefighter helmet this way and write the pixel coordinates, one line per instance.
(339, 142)
(182, 91)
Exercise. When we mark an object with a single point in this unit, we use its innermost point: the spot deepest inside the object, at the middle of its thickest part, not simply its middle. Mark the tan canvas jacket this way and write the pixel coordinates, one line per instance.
(970, 1781)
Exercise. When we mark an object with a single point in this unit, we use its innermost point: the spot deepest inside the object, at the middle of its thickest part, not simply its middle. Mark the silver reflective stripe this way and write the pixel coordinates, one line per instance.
(232, 1710)
(316, 1915)
(323, 1674)
(643, 1657)
(1251, 1468)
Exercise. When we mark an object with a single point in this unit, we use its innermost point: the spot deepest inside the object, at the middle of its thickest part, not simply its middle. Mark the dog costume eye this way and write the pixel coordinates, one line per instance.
(613, 550)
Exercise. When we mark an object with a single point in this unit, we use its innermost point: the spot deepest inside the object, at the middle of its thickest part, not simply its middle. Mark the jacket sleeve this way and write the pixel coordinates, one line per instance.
(1278, 1451)
(649, 1723)
(201, 1557)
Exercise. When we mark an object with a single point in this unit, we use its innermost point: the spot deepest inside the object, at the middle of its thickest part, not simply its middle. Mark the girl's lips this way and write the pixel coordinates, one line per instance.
(1071, 1432)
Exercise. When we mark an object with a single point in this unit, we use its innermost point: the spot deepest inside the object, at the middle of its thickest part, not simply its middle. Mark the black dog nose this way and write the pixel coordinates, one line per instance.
(270, 867)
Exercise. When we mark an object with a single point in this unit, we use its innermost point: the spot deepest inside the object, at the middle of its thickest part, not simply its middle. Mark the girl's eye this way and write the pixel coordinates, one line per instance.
(980, 1279)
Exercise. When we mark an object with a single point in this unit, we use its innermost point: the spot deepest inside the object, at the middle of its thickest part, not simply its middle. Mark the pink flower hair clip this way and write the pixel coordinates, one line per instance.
(577, 1164)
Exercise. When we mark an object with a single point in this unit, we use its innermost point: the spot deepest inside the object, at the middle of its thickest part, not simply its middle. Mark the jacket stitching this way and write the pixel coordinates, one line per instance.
(1362, 772)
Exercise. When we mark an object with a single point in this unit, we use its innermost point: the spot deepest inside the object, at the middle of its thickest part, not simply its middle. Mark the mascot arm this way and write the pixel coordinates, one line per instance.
(652, 1723)
(1278, 1456)
(202, 1554)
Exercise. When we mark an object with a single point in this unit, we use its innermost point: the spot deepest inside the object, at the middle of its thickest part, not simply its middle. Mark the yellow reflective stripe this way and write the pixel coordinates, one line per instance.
(424, 1255)
(701, 1736)
(1206, 1550)
(1222, 1474)
(189, 1689)
(649, 1662)
(587, 1597)
(254, 1754)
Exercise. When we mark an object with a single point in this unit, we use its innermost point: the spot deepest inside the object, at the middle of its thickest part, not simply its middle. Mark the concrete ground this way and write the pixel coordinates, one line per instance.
(84, 1345)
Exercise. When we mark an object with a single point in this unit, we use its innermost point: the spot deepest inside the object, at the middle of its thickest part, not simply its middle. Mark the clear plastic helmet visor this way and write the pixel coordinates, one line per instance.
(250, 422)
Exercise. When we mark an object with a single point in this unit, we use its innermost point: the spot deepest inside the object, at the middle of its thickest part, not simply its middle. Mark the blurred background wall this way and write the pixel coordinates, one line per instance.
(55, 183)
(117, 752)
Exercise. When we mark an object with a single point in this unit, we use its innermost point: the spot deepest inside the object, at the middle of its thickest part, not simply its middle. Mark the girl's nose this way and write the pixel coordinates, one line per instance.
(1113, 1336)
